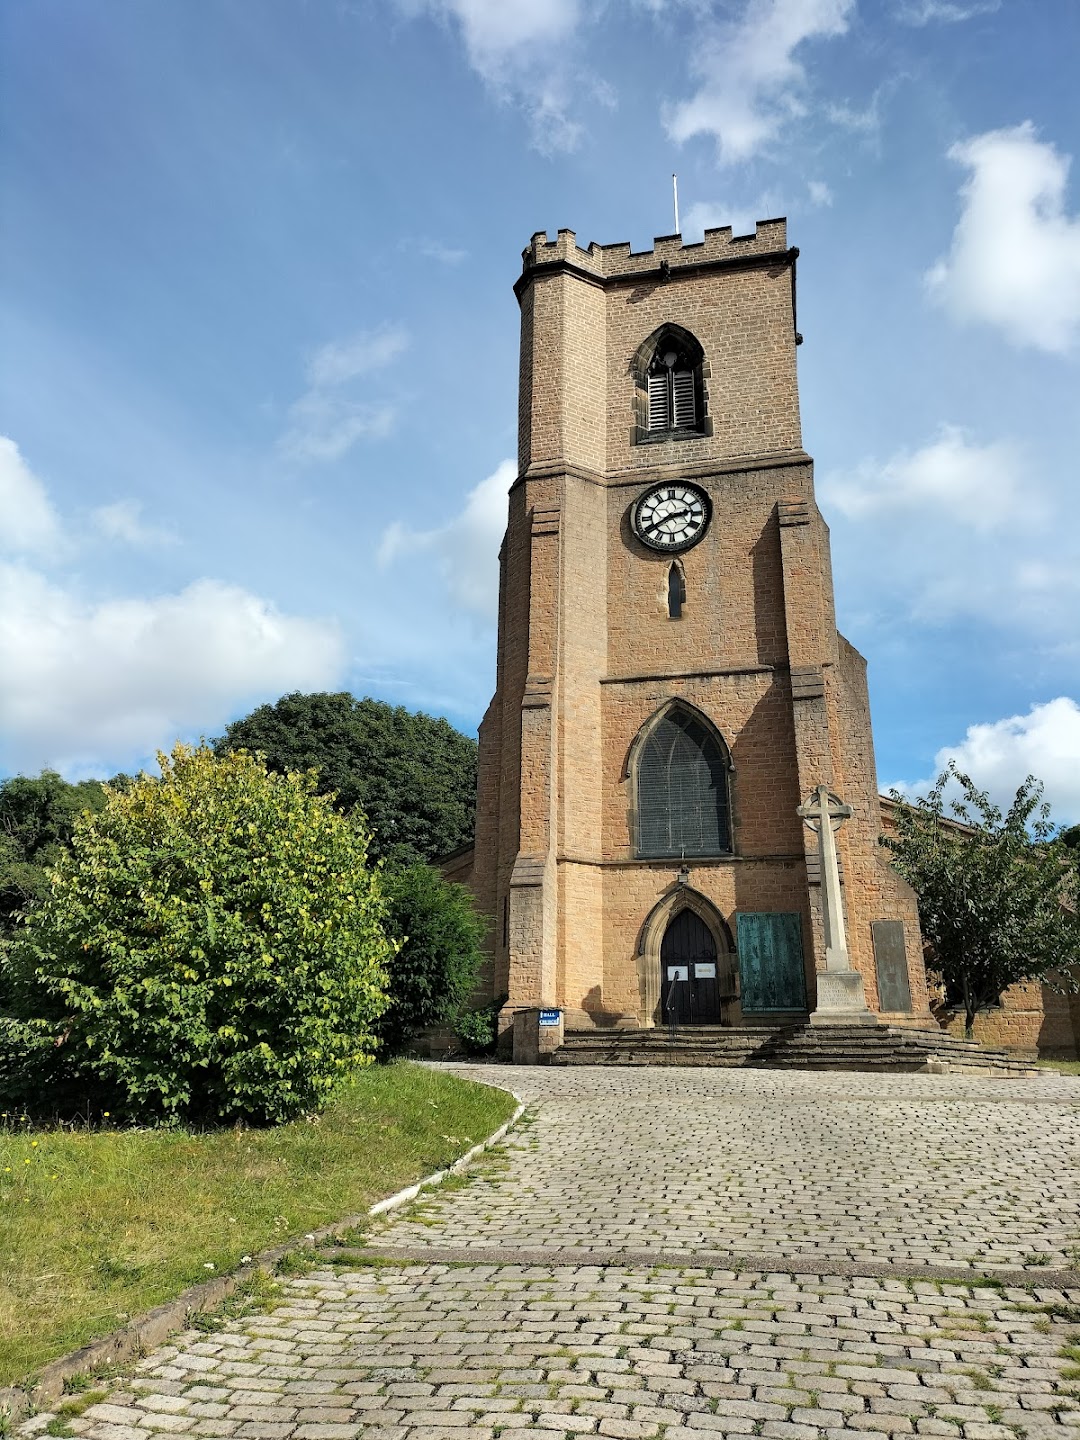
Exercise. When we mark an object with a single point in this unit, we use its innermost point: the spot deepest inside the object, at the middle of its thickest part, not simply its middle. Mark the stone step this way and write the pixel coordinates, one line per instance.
(843, 1047)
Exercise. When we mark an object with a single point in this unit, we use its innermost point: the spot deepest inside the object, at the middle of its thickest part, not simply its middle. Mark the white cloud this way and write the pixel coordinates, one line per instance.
(335, 412)
(28, 522)
(742, 217)
(87, 682)
(122, 521)
(981, 487)
(999, 755)
(956, 529)
(466, 548)
(343, 360)
(435, 250)
(1015, 256)
(325, 426)
(751, 81)
(92, 682)
(926, 12)
(521, 49)
(498, 32)
(820, 194)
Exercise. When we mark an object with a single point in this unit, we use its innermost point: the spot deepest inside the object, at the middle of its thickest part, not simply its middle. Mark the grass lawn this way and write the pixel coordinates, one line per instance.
(97, 1226)
(1066, 1067)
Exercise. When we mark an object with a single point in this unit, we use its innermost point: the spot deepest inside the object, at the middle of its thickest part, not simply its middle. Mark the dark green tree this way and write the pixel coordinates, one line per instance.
(433, 975)
(996, 891)
(413, 776)
(37, 820)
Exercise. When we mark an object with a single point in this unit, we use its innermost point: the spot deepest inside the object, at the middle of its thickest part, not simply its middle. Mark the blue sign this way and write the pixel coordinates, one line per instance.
(550, 1017)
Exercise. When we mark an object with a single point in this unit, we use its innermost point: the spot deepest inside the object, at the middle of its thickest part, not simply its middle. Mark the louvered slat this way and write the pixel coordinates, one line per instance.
(659, 410)
(683, 388)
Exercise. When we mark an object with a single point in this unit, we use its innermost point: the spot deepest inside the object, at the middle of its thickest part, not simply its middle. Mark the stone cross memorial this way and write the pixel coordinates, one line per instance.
(840, 996)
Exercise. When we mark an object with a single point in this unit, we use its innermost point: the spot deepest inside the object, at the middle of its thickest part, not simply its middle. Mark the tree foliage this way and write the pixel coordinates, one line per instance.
(212, 945)
(412, 775)
(37, 820)
(996, 892)
(434, 973)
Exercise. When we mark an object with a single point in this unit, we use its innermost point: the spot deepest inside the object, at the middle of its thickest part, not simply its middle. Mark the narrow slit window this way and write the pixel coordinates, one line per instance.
(676, 592)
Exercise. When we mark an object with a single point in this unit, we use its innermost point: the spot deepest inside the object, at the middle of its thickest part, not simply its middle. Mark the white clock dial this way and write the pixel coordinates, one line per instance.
(671, 517)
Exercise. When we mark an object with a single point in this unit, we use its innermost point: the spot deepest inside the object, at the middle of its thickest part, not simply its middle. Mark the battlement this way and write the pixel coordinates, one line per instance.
(612, 261)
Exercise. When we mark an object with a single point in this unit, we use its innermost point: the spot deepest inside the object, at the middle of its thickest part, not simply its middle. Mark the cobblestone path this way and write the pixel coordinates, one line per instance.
(798, 1256)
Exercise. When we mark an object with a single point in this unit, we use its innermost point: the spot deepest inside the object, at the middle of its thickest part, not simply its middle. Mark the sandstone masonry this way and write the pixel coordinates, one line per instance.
(590, 655)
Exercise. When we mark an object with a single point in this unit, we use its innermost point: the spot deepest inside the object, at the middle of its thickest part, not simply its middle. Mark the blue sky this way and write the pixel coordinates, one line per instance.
(258, 376)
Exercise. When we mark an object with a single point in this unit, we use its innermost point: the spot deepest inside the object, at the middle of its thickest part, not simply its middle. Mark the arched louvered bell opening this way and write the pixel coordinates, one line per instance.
(672, 392)
(682, 796)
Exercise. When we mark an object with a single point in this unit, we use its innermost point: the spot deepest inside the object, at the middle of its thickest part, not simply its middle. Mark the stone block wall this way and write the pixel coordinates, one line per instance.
(588, 651)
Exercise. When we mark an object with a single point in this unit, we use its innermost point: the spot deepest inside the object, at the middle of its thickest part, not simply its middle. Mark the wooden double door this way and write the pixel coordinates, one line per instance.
(695, 981)
(690, 979)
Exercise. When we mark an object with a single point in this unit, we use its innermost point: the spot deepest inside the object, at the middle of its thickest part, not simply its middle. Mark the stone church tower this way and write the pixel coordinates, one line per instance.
(671, 683)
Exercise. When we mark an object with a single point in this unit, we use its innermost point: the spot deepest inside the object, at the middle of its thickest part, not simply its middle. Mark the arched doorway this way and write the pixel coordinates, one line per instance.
(689, 980)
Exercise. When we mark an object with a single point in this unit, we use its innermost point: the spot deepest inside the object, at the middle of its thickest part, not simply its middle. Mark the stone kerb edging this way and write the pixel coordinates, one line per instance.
(145, 1332)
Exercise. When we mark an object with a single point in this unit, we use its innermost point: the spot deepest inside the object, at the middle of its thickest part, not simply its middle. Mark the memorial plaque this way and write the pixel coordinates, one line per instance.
(890, 959)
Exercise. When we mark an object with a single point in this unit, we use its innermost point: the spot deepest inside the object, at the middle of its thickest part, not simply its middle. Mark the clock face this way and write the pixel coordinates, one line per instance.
(672, 516)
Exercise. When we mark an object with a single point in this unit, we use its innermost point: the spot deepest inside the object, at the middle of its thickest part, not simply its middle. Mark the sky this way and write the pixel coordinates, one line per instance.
(258, 366)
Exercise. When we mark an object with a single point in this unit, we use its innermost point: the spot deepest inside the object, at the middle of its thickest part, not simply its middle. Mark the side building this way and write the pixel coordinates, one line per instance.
(671, 684)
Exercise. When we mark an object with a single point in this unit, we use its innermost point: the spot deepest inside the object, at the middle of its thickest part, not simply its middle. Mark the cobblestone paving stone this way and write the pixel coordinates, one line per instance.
(784, 1164)
(936, 1169)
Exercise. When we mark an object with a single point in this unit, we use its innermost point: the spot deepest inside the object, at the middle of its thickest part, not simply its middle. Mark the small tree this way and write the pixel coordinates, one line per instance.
(995, 891)
(413, 775)
(212, 945)
(434, 972)
(37, 819)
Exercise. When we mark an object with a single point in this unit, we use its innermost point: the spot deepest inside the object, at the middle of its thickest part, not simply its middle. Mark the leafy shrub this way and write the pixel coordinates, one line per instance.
(213, 944)
(478, 1030)
(31, 1067)
(434, 972)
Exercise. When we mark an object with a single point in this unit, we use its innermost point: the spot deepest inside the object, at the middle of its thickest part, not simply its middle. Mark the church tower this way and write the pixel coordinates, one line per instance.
(671, 683)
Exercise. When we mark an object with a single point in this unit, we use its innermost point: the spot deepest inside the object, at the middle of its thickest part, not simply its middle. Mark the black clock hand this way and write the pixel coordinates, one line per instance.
(671, 515)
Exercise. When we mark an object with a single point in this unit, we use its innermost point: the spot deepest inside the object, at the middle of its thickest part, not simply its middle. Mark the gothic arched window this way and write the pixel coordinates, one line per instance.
(670, 371)
(681, 788)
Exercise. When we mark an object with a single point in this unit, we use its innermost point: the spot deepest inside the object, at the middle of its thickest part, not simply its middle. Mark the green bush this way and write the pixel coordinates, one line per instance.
(213, 944)
(35, 1076)
(478, 1030)
(434, 972)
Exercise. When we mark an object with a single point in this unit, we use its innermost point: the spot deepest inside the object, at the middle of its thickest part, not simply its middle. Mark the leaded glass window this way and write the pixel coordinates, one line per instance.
(682, 797)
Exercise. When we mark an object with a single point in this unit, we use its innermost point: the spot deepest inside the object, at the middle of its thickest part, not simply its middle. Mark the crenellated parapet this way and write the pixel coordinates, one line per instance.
(609, 262)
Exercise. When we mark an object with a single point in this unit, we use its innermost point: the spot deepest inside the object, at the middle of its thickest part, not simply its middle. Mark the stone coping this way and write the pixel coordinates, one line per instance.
(1032, 1277)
